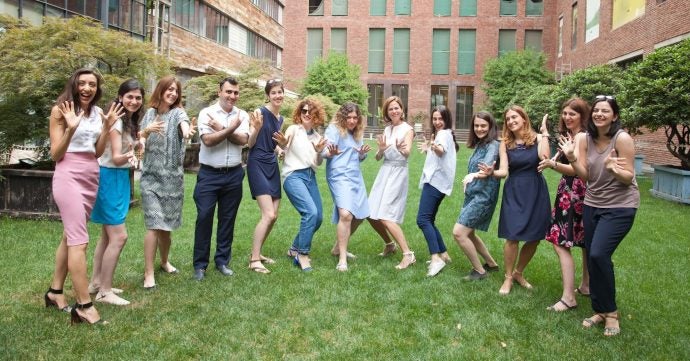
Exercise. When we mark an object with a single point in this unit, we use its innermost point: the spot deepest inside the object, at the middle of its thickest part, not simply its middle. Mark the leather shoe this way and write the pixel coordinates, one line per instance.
(225, 270)
(199, 274)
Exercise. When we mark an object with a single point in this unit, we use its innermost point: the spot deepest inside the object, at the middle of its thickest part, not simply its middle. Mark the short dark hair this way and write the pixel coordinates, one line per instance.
(229, 79)
(272, 83)
(592, 129)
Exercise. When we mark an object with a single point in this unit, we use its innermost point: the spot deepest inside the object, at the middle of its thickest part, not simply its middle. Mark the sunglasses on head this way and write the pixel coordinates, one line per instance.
(273, 81)
(604, 97)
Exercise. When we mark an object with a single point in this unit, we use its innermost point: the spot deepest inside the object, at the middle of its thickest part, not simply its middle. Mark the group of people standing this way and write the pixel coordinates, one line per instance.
(595, 204)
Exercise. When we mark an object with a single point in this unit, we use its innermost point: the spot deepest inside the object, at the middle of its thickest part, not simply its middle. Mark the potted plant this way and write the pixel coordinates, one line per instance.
(37, 60)
(657, 96)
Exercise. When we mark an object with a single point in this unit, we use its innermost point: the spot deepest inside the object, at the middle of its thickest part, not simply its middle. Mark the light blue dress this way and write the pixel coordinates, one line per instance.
(344, 176)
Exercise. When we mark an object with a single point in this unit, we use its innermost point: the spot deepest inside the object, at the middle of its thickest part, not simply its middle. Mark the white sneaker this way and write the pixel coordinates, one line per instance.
(435, 268)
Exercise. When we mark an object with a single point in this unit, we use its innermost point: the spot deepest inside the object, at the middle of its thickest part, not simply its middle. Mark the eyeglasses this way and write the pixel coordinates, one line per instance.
(305, 111)
(604, 97)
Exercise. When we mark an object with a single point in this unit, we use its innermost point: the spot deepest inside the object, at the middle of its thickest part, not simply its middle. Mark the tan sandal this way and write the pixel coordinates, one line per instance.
(611, 331)
(521, 280)
(506, 286)
(389, 249)
(410, 260)
(593, 320)
(260, 268)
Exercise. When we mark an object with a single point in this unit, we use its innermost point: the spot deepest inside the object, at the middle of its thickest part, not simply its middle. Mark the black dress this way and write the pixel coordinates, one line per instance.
(525, 207)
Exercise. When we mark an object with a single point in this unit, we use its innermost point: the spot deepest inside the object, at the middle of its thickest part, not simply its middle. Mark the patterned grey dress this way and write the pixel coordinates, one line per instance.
(162, 174)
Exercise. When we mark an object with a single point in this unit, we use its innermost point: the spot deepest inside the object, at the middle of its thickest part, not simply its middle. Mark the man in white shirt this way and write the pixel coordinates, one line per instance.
(224, 130)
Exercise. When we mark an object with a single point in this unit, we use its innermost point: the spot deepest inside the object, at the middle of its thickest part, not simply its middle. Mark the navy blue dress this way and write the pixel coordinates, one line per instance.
(525, 207)
(262, 164)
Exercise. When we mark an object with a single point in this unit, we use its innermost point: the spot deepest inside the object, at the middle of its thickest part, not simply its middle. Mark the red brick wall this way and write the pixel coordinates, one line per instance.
(653, 146)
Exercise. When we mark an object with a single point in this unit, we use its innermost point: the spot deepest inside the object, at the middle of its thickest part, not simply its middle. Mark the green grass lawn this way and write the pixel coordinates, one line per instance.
(371, 312)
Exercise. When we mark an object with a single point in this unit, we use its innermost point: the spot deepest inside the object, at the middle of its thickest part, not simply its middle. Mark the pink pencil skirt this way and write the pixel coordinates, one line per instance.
(75, 185)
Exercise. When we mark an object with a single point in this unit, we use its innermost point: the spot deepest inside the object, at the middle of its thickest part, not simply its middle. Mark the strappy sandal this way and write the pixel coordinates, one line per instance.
(521, 280)
(611, 331)
(506, 286)
(266, 260)
(593, 320)
(77, 318)
(412, 260)
(567, 306)
(389, 249)
(260, 268)
(579, 291)
(51, 303)
(342, 267)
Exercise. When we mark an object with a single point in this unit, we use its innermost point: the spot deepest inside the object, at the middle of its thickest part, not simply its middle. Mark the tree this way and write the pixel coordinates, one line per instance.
(657, 95)
(336, 78)
(509, 75)
(38, 60)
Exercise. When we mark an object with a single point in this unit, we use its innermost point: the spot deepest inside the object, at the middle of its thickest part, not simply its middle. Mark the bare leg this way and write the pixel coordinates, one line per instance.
(98, 258)
(584, 284)
(526, 254)
(164, 243)
(510, 252)
(150, 246)
(481, 249)
(117, 236)
(568, 276)
(344, 230)
(397, 233)
(60, 274)
(269, 214)
(380, 228)
(76, 264)
(462, 237)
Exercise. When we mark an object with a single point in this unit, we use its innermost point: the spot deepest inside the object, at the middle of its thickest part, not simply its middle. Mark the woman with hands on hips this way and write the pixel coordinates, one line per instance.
(602, 157)
(344, 151)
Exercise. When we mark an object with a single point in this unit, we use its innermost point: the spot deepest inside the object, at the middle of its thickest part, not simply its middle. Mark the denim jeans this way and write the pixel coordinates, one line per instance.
(429, 202)
(303, 192)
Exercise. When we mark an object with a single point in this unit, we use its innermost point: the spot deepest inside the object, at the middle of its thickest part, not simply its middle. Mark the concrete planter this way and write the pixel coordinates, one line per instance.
(639, 163)
(671, 183)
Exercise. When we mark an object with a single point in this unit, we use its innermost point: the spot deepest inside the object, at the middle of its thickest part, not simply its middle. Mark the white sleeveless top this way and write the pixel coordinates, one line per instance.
(106, 159)
(84, 138)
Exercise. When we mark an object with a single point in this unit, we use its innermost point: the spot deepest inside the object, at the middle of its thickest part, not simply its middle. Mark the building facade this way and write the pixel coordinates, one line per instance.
(428, 52)
(199, 36)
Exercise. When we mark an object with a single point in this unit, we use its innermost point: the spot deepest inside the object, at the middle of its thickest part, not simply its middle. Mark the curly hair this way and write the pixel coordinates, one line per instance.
(316, 110)
(340, 120)
(527, 134)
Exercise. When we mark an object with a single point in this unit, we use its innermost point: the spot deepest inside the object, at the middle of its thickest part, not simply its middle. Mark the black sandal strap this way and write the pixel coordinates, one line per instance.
(83, 306)
(54, 291)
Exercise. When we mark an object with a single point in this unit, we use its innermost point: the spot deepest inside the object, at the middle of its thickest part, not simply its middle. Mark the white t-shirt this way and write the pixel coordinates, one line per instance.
(440, 171)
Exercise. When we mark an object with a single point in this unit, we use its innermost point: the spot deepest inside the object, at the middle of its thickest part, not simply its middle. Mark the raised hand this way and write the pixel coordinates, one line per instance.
(381, 142)
(158, 126)
(401, 145)
(613, 163)
(567, 145)
(544, 129)
(72, 120)
(279, 138)
(320, 145)
(115, 112)
(333, 149)
(487, 169)
(545, 162)
(423, 145)
(192, 128)
(131, 157)
(214, 124)
(364, 150)
(256, 119)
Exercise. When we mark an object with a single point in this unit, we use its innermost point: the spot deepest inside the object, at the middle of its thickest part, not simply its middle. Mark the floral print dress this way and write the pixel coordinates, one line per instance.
(566, 217)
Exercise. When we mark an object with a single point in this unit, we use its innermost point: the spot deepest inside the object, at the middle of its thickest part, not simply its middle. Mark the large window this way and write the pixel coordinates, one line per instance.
(272, 8)
(339, 40)
(534, 8)
(506, 41)
(440, 51)
(377, 50)
(625, 11)
(508, 8)
(316, 7)
(401, 51)
(314, 45)
(339, 8)
(573, 27)
(375, 104)
(442, 7)
(533, 40)
(439, 96)
(217, 26)
(463, 107)
(467, 49)
(468, 8)
(377, 7)
(403, 7)
(592, 20)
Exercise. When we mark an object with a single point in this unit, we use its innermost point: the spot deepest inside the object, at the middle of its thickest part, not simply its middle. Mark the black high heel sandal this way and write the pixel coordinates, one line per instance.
(51, 303)
(77, 318)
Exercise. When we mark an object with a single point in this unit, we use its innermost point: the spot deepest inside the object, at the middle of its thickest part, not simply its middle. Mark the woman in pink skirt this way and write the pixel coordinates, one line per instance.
(76, 141)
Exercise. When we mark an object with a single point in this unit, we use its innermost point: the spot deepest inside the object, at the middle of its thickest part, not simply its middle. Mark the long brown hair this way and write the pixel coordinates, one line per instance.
(161, 87)
(388, 102)
(581, 107)
(71, 91)
(527, 134)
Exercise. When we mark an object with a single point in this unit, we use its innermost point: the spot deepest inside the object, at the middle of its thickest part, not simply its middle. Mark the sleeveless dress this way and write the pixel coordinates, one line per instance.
(525, 207)
(481, 195)
(388, 196)
(162, 173)
(344, 176)
(262, 164)
(566, 218)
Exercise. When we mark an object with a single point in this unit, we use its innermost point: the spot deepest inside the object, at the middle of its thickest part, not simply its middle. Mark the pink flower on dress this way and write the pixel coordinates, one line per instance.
(564, 201)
